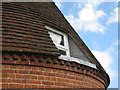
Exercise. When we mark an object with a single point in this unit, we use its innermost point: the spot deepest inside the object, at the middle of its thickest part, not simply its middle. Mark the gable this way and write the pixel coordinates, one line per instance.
(76, 52)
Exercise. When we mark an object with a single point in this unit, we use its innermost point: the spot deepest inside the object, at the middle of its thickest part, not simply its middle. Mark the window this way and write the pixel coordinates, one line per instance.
(60, 39)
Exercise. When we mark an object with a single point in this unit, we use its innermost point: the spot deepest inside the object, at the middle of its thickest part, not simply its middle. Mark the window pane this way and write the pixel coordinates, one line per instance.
(57, 38)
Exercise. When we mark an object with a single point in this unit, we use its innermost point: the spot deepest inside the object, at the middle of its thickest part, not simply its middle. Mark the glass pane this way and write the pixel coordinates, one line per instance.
(57, 38)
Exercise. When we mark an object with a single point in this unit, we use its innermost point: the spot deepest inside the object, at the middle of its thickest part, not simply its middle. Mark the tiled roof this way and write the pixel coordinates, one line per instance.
(23, 28)
(24, 31)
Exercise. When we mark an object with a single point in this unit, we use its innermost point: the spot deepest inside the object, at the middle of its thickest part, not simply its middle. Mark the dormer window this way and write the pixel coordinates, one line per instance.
(60, 40)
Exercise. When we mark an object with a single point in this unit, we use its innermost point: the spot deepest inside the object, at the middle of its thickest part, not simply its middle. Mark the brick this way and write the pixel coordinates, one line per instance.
(34, 81)
(36, 63)
(24, 71)
(41, 69)
(48, 70)
(36, 72)
(27, 86)
(79, 86)
(35, 68)
(34, 86)
(32, 72)
(54, 70)
(80, 79)
(20, 86)
(6, 80)
(34, 77)
(59, 79)
(24, 81)
(71, 86)
(13, 67)
(20, 67)
(28, 67)
(17, 61)
(71, 81)
(47, 86)
(26, 76)
(70, 77)
(17, 71)
(11, 75)
(23, 62)
(4, 75)
(53, 79)
(51, 74)
(19, 75)
(8, 71)
(40, 86)
(47, 78)
(5, 85)
(39, 64)
(65, 80)
(8, 61)
(16, 81)
(47, 83)
(5, 66)
(60, 71)
(46, 73)
(81, 71)
(61, 75)
(40, 73)
(59, 84)
(41, 77)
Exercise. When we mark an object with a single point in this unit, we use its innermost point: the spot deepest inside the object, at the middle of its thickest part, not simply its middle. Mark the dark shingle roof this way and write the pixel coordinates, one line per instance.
(24, 31)
(23, 28)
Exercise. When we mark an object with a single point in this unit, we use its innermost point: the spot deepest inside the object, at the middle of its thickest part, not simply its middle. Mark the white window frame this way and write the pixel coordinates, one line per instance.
(65, 36)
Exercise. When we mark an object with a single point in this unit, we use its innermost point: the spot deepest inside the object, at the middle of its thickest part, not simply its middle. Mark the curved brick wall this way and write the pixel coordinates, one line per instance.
(48, 72)
(17, 76)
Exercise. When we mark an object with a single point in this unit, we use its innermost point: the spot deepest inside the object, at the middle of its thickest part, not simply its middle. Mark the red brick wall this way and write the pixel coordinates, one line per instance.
(24, 76)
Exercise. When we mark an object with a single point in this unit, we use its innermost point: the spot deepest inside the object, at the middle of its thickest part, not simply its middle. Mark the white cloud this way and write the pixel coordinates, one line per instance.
(103, 57)
(106, 59)
(100, 14)
(73, 21)
(88, 19)
(113, 16)
(94, 3)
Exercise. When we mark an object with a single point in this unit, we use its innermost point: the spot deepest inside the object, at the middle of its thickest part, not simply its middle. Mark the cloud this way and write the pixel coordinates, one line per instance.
(88, 19)
(94, 3)
(113, 16)
(103, 57)
(106, 59)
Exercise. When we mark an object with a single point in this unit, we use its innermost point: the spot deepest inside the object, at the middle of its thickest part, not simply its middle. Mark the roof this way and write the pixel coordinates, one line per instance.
(24, 31)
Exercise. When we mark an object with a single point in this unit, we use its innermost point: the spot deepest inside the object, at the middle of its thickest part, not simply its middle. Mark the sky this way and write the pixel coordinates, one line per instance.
(97, 24)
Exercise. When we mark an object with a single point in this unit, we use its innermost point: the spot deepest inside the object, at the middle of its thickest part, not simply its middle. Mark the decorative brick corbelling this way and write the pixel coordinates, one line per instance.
(51, 63)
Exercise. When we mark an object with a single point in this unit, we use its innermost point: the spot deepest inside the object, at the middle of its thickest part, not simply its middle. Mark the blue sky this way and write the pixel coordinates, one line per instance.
(97, 25)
